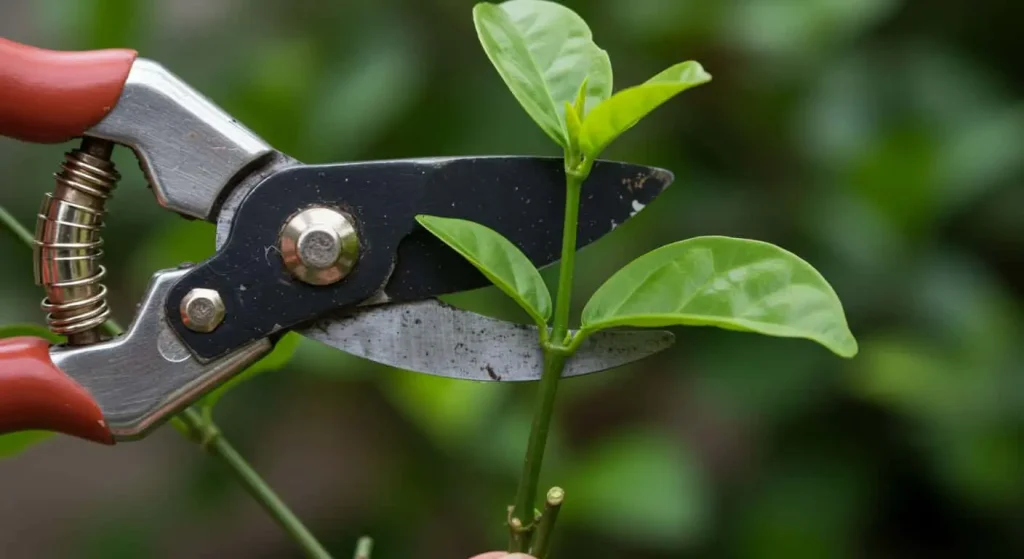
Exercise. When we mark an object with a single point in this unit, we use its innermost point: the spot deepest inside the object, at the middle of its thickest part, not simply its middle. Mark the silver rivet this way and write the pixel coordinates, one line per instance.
(202, 310)
(319, 246)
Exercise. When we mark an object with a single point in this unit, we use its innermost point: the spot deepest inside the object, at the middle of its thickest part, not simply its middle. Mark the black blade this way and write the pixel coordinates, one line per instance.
(523, 198)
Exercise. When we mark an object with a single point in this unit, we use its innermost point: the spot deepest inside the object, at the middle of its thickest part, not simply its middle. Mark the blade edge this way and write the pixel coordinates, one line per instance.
(433, 338)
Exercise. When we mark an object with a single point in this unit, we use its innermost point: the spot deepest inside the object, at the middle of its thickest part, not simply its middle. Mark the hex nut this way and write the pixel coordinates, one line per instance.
(202, 310)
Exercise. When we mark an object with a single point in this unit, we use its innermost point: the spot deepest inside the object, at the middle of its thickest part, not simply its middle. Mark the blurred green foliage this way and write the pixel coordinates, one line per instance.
(879, 139)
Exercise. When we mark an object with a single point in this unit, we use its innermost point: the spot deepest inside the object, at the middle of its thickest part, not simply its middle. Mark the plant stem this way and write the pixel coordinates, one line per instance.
(198, 428)
(214, 443)
(542, 539)
(523, 511)
(563, 298)
(15, 227)
(364, 547)
(555, 356)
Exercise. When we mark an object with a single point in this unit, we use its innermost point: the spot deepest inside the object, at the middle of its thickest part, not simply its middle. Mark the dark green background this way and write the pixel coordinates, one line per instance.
(879, 139)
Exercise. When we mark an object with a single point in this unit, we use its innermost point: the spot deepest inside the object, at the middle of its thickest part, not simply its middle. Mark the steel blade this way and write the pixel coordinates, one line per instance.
(438, 339)
(523, 198)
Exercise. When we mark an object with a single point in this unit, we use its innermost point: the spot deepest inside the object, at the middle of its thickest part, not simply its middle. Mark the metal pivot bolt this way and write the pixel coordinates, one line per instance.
(319, 246)
(202, 310)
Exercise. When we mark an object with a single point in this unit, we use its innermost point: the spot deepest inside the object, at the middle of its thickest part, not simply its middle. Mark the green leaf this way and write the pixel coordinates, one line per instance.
(274, 360)
(543, 51)
(580, 104)
(574, 120)
(736, 284)
(639, 487)
(15, 443)
(573, 127)
(498, 259)
(612, 118)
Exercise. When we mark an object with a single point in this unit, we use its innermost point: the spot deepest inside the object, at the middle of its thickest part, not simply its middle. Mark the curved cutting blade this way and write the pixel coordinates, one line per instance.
(438, 339)
(522, 198)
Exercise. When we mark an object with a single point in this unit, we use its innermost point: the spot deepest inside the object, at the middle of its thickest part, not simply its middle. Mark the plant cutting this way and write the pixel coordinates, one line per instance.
(546, 55)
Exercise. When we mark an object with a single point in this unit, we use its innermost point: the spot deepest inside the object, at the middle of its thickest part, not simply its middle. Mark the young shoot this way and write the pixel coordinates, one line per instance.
(546, 55)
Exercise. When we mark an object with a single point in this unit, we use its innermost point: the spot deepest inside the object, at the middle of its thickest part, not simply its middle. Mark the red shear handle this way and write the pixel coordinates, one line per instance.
(50, 96)
(35, 394)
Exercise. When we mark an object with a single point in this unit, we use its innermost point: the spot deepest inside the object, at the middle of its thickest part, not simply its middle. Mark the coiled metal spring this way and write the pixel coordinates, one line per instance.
(68, 243)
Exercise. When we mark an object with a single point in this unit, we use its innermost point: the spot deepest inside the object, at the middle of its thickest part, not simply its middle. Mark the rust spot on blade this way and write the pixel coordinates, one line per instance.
(635, 183)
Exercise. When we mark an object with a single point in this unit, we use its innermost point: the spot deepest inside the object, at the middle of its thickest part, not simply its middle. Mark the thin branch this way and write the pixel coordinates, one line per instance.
(198, 428)
(213, 442)
(364, 547)
(522, 522)
(542, 539)
(563, 299)
(15, 227)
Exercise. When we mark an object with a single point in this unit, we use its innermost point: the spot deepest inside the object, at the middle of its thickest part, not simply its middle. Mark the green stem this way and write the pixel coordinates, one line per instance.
(15, 227)
(214, 443)
(542, 539)
(364, 547)
(563, 298)
(196, 427)
(555, 355)
(554, 362)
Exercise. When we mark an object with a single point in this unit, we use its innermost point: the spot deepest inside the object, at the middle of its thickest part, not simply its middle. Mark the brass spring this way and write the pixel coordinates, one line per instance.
(68, 243)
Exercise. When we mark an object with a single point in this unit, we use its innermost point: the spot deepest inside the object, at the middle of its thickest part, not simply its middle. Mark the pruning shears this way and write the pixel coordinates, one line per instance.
(329, 251)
